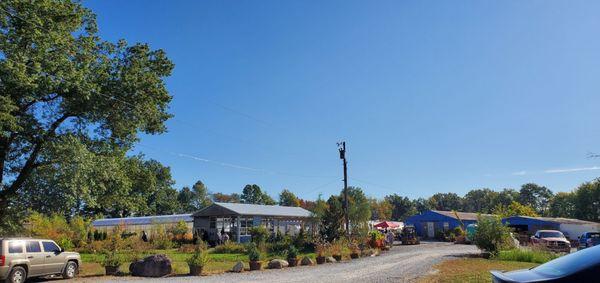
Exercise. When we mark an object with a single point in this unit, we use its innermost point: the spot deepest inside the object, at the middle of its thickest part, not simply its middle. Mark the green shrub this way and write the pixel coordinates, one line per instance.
(535, 256)
(280, 247)
(229, 248)
(253, 253)
(112, 259)
(259, 234)
(199, 258)
(292, 252)
(491, 235)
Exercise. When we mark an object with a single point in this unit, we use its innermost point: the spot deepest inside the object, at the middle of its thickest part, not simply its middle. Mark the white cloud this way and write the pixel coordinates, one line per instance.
(520, 173)
(567, 170)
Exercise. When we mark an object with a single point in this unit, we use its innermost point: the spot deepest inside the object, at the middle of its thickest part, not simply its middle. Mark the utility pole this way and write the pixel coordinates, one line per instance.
(342, 150)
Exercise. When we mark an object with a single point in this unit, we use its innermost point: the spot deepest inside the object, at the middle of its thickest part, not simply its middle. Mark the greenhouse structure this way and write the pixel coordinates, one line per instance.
(236, 219)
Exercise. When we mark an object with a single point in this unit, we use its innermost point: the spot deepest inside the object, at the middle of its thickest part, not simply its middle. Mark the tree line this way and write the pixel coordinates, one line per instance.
(532, 200)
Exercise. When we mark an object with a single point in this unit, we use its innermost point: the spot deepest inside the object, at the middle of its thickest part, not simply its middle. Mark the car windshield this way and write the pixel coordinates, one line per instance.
(551, 234)
(571, 263)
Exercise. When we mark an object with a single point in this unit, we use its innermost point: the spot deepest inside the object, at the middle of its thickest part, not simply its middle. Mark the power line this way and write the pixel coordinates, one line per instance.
(134, 107)
(232, 165)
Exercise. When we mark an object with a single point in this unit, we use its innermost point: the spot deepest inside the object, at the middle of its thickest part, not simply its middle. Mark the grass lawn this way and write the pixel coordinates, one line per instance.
(472, 269)
(219, 263)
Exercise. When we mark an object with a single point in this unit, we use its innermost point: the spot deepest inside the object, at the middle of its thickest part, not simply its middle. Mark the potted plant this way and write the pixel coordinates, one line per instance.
(336, 250)
(292, 256)
(321, 248)
(111, 263)
(254, 258)
(354, 250)
(197, 261)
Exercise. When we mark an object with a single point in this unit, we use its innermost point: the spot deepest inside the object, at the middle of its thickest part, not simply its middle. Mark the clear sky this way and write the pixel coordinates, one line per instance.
(430, 96)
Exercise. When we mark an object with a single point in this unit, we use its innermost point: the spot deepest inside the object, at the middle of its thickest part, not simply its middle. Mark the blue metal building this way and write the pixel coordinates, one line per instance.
(429, 223)
(572, 228)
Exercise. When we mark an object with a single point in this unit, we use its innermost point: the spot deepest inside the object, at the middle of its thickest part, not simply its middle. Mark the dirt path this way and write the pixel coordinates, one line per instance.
(401, 264)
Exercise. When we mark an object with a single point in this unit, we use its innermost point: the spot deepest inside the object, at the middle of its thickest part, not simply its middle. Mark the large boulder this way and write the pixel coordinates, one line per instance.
(307, 261)
(330, 259)
(238, 267)
(278, 264)
(151, 266)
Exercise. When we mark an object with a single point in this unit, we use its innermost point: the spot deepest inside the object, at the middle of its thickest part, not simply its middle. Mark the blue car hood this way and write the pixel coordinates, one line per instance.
(522, 275)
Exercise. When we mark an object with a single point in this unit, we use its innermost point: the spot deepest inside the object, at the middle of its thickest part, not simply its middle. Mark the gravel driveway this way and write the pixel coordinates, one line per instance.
(400, 264)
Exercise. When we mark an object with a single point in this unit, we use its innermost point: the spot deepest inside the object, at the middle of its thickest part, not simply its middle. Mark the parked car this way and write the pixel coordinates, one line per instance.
(551, 240)
(588, 239)
(23, 258)
(582, 266)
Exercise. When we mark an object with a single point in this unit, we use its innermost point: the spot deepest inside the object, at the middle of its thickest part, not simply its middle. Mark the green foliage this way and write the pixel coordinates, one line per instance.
(480, 200)
(68, 95)
(112, 259)
(587, 201)
(292, 252)
(229, 247)
(259, 234)
(381, 209)
(446, 201)
(200, 257)
(402, 207)
(513, 209)
(253, 253)
(221, 197)
(491, 235)
(359, 211)
(523, 255)
(563, 205)
(254, 195)
(160, 238)
(536, 196)
(179, 229)
(279, 245)
(68, 234)
(332, 220)
(287, 198)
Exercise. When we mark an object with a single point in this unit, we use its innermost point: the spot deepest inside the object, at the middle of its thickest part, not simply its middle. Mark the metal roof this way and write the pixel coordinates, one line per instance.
(143, 220)
(461, 215)
(253, 209)
(554, 219)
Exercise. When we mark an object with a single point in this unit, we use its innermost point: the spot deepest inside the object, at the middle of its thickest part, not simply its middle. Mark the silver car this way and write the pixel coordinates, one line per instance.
(22, 258)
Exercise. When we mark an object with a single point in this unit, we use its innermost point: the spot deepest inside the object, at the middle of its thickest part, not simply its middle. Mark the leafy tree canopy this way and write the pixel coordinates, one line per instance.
(67, 94)
(287, 198)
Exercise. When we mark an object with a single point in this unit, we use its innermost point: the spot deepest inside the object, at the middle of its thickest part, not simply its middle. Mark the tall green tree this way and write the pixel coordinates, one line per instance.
(402, 207)
(587, 201)
(480, 201)
(60, 81)
(535, 196)
(507, 196)
(332, 221)
(380, 209)
(359, 210)
(287, 198)
(562, 205)
(254, 195)
(446, 201)
(422, 204)
(201, 196)
(185, 197)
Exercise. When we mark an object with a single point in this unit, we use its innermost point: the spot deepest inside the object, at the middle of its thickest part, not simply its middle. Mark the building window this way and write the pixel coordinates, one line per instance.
(213, 222)
(245, 224)
(446, 226)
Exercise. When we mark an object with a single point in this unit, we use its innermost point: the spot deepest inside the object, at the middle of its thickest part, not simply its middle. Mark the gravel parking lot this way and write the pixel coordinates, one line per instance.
(400, 264)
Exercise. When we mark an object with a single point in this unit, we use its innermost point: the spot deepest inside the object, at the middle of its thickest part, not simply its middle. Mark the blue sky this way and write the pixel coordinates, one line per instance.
(430, 96)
